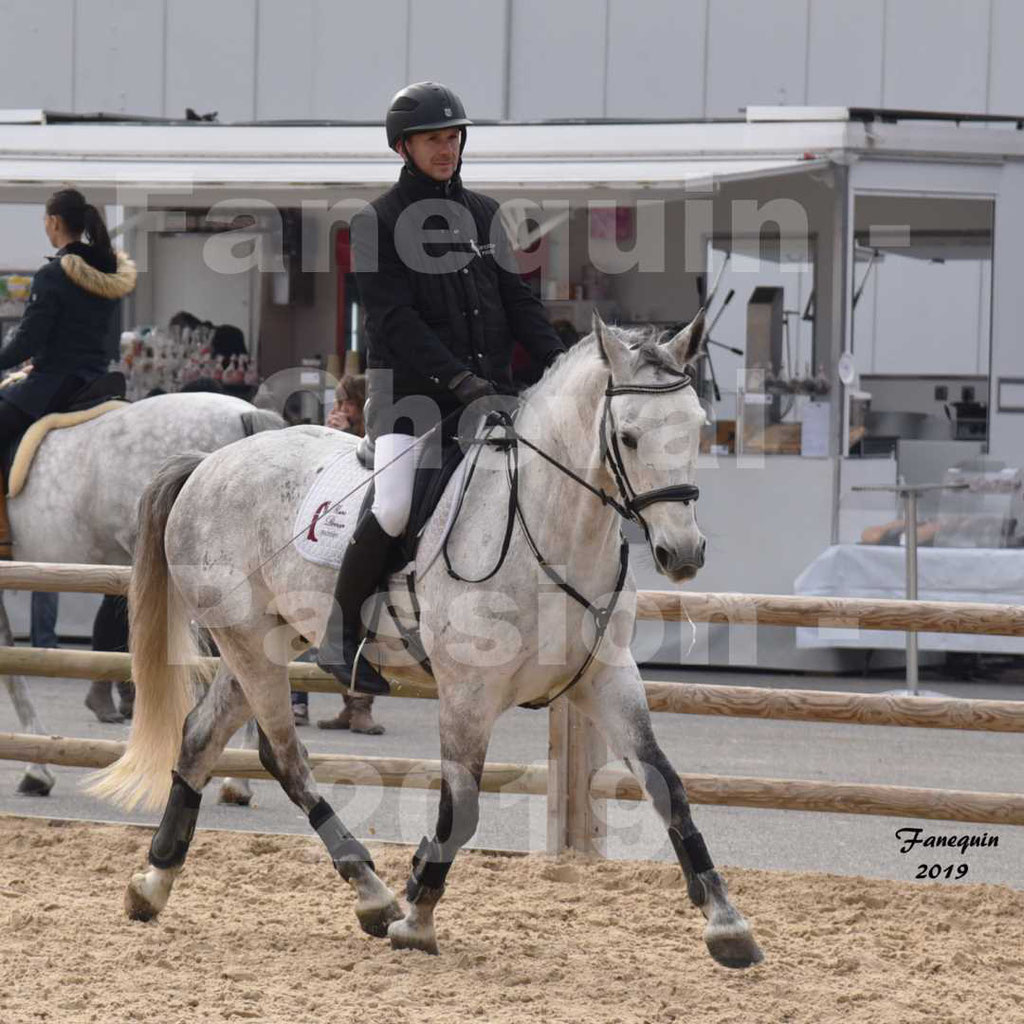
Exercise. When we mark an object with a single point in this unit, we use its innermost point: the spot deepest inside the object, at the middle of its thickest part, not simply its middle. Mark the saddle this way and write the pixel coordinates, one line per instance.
(103, 395)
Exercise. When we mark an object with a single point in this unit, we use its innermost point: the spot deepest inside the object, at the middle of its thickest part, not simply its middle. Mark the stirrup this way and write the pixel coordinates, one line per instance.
(372, 679)
(346, 671)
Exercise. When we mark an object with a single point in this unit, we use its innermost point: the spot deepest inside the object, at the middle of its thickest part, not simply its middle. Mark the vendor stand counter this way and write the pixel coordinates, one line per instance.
(987, 575)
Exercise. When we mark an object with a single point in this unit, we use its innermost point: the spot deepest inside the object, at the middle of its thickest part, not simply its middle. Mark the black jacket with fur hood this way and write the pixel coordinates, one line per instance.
(66, 327)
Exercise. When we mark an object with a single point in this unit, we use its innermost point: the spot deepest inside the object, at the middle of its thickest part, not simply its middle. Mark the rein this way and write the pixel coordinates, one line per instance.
(628, 508)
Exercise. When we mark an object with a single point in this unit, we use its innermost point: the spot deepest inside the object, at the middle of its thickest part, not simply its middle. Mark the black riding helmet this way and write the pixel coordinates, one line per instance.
(424, 107)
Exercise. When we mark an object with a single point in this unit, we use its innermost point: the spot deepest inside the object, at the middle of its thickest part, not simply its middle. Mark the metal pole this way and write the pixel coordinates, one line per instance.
(910, 504)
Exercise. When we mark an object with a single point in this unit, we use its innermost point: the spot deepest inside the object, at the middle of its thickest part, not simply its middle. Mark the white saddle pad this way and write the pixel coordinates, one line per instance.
(323, 526)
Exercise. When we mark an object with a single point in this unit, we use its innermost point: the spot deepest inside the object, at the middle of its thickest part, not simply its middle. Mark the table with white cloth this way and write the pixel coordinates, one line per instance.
(990, 575)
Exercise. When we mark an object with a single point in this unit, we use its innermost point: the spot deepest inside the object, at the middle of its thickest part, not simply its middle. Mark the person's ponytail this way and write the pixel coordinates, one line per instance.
(96, 232)
(80, 218)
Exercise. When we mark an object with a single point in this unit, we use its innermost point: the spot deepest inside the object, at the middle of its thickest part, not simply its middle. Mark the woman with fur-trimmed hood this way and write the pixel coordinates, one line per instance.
(69, 317)
(68, 321)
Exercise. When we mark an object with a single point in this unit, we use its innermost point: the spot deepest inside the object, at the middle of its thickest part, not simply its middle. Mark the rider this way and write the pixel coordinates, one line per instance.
(69, 317)
(442, 313)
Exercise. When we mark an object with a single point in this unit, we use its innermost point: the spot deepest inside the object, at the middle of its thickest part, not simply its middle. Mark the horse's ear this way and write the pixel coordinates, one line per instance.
(613, 350)
(688, 344)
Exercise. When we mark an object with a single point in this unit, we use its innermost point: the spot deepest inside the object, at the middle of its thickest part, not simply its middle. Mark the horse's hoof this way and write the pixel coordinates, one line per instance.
(239, 796)
(731, 943)
(137, 906)
(403, 935)
(35, 785)
(375, 919)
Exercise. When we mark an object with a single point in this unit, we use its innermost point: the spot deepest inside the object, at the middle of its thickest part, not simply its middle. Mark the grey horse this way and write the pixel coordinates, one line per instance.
(620, 412)
(80, 502)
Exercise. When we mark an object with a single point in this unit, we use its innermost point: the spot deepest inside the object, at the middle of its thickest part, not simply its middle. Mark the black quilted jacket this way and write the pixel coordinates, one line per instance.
(439, 301)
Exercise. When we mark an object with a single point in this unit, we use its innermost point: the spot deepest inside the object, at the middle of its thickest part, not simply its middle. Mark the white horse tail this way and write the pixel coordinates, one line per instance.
(165, 655)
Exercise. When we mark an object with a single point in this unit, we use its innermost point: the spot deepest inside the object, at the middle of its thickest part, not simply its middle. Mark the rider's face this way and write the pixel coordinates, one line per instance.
(436, 154)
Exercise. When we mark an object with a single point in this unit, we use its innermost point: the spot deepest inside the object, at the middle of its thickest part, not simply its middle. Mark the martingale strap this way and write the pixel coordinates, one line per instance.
(602, 617)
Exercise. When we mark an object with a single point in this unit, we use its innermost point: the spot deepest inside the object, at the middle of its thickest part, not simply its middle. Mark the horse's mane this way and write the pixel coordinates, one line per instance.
(584, 356)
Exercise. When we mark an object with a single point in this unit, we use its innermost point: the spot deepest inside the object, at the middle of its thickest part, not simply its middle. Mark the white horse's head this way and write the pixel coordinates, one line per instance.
(651, 427)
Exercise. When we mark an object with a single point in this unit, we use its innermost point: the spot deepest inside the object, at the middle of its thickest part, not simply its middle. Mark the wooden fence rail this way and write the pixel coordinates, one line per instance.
(675, 698)
(670, 605)
(607, 783)
(573, 777)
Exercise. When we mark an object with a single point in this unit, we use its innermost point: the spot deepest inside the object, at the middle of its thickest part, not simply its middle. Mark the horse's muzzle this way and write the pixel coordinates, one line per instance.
(682, 563)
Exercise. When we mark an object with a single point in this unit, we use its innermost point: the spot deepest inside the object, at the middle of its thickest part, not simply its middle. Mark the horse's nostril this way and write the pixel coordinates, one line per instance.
(661, 555)
(701, 549)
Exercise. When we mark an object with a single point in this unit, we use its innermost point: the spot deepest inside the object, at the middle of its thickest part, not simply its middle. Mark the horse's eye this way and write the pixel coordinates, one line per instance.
(628, 440)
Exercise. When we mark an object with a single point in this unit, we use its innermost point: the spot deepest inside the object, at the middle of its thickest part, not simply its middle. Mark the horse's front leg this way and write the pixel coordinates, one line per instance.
(38, 780)
(615, 701)
(465, 733)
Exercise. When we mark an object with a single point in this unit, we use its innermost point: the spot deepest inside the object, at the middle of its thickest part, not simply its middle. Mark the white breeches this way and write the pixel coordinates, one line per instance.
(392, 498)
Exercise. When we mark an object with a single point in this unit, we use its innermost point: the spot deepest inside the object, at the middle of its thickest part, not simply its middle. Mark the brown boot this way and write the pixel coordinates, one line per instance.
(6, 549)
(356, 715)
(100, 702)
(342, 720)
(360, 706)
(126, 698)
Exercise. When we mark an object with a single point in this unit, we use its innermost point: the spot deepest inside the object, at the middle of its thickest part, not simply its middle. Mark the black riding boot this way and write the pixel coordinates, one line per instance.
(362, 567)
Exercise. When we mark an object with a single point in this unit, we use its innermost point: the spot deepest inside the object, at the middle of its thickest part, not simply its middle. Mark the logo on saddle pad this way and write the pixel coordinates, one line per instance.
(317, 516)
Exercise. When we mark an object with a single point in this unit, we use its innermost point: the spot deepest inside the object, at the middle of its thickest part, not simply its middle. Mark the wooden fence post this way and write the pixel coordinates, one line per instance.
(576, 750)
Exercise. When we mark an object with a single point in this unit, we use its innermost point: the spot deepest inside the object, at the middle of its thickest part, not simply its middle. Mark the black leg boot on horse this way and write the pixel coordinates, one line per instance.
(362, 567)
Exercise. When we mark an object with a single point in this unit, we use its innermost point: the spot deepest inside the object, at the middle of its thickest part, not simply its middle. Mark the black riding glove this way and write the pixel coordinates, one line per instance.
(468, 387)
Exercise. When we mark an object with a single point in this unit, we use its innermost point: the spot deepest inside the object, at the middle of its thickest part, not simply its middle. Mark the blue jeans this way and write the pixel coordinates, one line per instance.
(43, 630)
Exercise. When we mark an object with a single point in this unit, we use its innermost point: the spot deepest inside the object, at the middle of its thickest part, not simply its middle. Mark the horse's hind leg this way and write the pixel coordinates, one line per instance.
(464, 740)
(615, 701)
(38, 780)
(265, 681)
(208, 727)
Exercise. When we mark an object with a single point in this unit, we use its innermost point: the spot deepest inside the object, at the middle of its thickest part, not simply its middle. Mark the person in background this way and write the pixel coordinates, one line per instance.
(203, 384)
(110, 633)
(349, 399)
(228, 341)
(43, 628)
(183, 319)
(357, 712)
(67, 325)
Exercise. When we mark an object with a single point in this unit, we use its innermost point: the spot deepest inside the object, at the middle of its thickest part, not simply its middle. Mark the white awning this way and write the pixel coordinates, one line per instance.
(194, 165)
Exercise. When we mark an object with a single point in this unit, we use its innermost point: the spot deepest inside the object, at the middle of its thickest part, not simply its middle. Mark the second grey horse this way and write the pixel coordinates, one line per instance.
(80, 502)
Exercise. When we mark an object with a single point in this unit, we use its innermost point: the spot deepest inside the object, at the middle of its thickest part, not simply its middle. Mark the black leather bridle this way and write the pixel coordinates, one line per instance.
(632, 503)
(630, 507)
